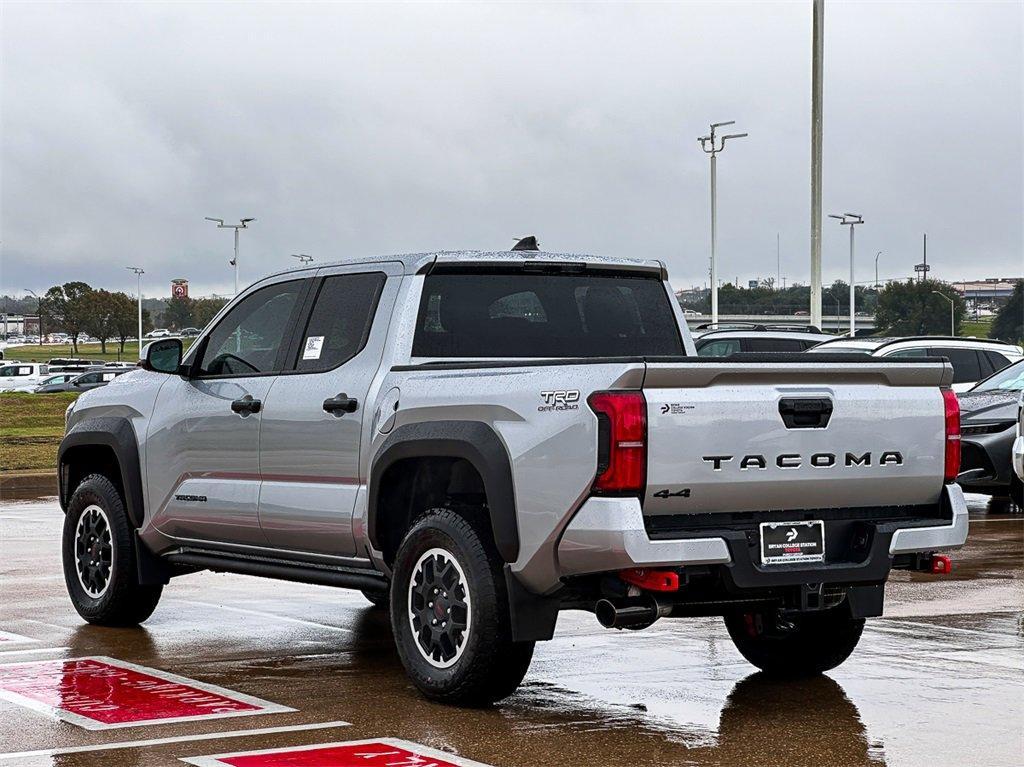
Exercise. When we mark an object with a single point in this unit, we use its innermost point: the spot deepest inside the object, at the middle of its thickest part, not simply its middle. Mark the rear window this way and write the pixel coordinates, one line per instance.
(517, 314)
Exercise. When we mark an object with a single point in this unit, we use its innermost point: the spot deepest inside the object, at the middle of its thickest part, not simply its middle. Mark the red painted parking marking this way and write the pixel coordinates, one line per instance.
(381, 752)
(8, 639)
(101, 693)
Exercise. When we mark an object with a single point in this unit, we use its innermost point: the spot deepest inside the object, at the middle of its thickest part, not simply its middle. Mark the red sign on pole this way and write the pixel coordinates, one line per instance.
(103, 693)
(384, 752)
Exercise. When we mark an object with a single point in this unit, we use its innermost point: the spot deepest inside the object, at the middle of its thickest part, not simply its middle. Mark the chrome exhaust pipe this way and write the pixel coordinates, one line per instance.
(633, 613)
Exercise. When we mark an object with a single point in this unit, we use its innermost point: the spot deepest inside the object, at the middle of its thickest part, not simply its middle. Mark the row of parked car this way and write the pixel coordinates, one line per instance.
(59, 375)
(988, 377)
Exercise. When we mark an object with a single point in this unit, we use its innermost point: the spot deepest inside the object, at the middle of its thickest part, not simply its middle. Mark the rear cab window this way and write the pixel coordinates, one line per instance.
(511, 313)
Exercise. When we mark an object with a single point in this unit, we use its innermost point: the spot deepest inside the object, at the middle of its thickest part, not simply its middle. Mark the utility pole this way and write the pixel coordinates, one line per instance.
(851, 220)
(952, 312)
(778, 260)
(243, 224)
(817, 73)
(39, 312)
(138, 274)
(876, 268)
(712, 145)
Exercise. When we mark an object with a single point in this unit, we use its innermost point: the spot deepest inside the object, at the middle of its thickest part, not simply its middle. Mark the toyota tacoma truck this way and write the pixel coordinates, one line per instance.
(478, 441)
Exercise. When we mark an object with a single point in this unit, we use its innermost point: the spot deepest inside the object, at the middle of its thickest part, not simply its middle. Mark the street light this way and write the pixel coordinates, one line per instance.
(851, 220)
(952, 312)
(876, 268)
(243, 224)
(303, 258)
(138, 274)
(712, 145)
(39, 312)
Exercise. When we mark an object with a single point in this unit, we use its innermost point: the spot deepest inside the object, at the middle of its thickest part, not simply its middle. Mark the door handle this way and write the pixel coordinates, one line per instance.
(805, 413)
(246, 406)
(338, 406)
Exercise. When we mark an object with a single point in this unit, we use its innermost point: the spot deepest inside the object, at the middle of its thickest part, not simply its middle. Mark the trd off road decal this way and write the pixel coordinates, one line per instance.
(385, 752)
(103, 693)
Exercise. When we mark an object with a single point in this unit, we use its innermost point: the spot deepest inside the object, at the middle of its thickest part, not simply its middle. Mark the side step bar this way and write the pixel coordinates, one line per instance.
(321, 575)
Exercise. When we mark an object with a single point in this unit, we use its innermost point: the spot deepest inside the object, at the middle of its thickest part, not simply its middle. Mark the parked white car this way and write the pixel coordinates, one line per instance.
(16, 376)
(158, 333)
(972, 358)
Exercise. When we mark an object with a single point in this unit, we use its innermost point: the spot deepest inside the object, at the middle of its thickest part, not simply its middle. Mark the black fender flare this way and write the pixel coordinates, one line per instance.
(473, 441)
(115, 432)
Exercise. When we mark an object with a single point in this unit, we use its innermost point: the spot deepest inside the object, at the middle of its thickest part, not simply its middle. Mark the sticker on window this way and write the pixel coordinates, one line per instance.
(385, 752)
(314, 344)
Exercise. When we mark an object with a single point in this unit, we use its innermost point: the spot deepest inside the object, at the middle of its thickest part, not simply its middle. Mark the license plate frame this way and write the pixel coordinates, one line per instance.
(810, 536)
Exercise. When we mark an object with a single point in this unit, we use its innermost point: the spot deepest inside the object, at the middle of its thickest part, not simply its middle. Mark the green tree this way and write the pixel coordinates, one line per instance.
(123, 317)
(1008, 324)
(205, 309)
(913, 309)
(98, 323)
(178, 313)
(67, 307)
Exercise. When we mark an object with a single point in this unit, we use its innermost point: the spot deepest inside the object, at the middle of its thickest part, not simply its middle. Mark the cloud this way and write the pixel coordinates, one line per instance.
(354, 129)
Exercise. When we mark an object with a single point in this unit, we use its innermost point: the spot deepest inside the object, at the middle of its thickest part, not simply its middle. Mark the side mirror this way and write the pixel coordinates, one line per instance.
(163, 356)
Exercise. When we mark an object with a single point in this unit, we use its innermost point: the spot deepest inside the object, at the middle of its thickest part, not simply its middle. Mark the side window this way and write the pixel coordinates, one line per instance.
(722, 348)
(340, 321)
(966, 368)
(997, 360)
(91, 378)
(248, 339)
(919, 352)
(773, 345)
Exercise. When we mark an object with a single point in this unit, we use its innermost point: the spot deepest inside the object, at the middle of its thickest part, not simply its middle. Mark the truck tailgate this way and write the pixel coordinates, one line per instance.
(739, 435)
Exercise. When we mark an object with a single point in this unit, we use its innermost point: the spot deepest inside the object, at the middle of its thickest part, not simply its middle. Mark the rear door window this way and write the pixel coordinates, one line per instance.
(966, 367)
(997, 360)
(773, 345)
(340, 321)
(720, 348)
(508, 313)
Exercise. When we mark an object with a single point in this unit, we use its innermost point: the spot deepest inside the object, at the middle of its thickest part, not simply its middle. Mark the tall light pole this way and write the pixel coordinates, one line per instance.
(817, 75)
(876, 268)
(952, 312)
(851, 220)
(39, 312)
(712, 145)
(138, 274)
(303, 258)
(243, 224)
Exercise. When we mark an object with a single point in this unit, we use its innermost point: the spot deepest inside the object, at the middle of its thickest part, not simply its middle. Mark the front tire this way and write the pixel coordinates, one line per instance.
(99, 558)
(450, 613)
(798, 646)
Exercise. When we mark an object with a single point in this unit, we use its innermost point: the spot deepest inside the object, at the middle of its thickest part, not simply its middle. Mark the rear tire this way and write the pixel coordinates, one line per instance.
(98, 553)
(817, 642)
(450, 613)
(1017, 493)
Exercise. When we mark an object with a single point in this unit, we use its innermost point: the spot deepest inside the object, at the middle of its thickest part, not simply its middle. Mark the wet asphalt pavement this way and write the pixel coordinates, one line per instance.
(938, 681)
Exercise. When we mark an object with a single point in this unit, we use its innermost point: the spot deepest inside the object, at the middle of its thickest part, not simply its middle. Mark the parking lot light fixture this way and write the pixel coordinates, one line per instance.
(952, 312)
(242, 224)
(138, 273)
(851, 220)
(876, 268)
(39, 312)
(303, 258)
(712, 145)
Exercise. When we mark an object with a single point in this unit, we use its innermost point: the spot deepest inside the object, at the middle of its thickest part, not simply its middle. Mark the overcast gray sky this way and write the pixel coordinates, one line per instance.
(351, 129)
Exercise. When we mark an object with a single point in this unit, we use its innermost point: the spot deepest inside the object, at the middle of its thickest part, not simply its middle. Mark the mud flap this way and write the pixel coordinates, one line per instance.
(533, 617)
(152, 569)
(866, 601)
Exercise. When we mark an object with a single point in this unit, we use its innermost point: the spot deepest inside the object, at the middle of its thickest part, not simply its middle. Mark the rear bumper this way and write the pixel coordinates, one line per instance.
(608, 534)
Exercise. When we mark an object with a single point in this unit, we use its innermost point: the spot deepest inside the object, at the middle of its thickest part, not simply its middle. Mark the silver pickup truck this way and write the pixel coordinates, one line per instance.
(480, 440)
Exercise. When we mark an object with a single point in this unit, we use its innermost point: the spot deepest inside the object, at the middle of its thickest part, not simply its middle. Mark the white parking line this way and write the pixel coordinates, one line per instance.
(162, 741)
(262, 614)
(5, 653)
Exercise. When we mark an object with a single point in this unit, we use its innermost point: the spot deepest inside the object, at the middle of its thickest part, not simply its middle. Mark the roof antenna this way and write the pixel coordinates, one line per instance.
(526, 243)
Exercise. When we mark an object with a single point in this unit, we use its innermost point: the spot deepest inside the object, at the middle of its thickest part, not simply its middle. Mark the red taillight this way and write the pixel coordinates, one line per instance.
(952, 406)
(622, 441)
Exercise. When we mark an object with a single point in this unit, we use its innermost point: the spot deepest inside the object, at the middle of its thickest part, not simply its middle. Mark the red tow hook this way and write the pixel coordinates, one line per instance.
(941, 564)
(651, 580)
